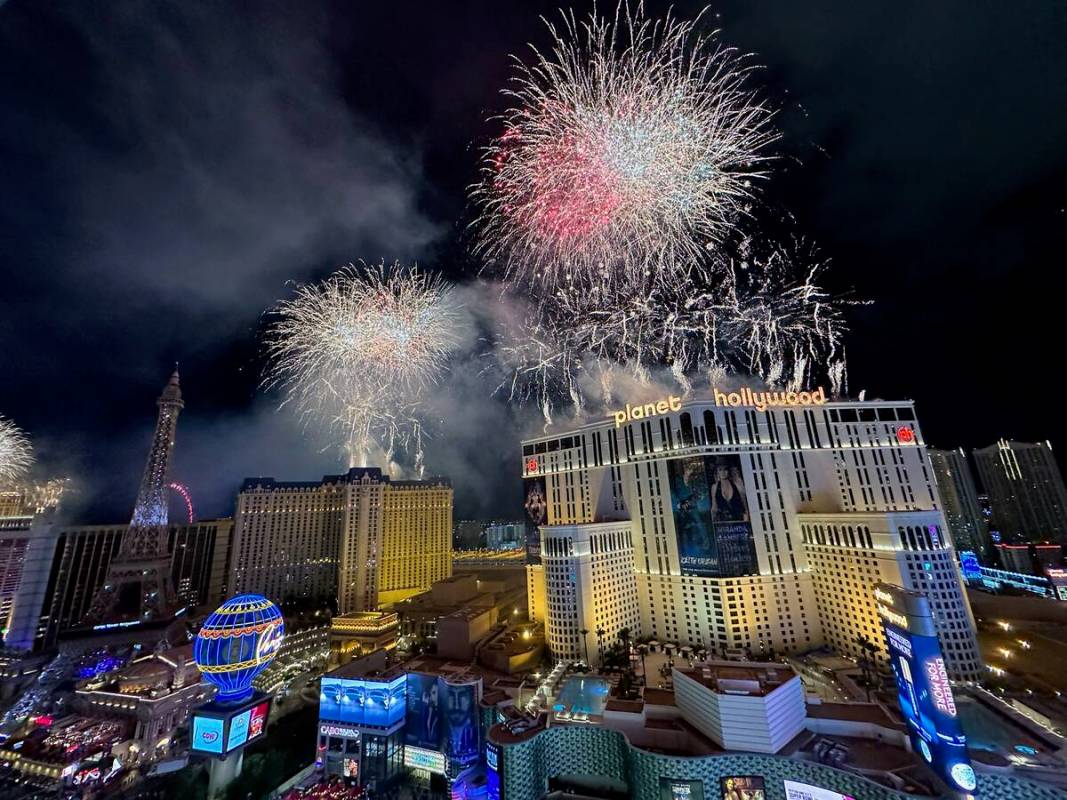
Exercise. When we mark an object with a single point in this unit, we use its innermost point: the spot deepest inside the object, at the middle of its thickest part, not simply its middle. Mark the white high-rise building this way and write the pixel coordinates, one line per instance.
(719, 493)
(358, 536)
(589, 586)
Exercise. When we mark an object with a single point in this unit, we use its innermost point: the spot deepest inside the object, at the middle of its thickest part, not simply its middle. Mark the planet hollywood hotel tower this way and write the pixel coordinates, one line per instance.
(757, 521)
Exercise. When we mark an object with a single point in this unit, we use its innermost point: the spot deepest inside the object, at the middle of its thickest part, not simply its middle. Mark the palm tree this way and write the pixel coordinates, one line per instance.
(585, 642)
(624, 637)
(867, 649)
(600, 642)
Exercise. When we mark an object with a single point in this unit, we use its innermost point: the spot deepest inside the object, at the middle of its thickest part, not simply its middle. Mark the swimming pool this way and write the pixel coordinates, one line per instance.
(582, 695)
(987, 730)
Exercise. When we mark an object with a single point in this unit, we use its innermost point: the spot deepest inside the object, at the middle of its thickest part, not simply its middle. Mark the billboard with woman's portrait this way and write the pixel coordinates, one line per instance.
(709, 503)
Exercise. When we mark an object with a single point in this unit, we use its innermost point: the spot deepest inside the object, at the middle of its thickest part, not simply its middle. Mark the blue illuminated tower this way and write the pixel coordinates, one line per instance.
(138, 584)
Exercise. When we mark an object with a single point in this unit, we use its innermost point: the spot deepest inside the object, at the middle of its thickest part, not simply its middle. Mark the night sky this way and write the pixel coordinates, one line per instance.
(168, 167)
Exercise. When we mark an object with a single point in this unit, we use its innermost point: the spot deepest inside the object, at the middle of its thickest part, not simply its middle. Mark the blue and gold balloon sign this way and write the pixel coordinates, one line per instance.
(237, 642)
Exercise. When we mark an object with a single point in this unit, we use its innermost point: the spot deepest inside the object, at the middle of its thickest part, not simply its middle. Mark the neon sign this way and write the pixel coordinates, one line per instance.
(905, 435)
(270, 641)
(893, 616)
(531, 465)
(631, 413)
(940, 689)
(764, 400)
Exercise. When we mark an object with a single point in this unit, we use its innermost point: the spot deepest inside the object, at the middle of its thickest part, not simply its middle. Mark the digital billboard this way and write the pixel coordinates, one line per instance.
(680, 789)
(1058, 578)
(923, 689)
(238, 730)
(535, 501)
(257, 722)
(461, 718)
(969, 566)
(743, 787)
(421, 758)
(492, 771)
(424, 726)
(207, 734)
(711, 516)
(804, 791)
(362, 702)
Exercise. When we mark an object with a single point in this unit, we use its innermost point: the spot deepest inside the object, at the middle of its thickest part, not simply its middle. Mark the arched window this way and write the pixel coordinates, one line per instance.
(687, 428)
(709, 427)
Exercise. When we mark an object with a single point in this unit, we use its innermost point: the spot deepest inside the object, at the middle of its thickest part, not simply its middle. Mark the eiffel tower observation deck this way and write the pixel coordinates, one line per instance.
(138, 589)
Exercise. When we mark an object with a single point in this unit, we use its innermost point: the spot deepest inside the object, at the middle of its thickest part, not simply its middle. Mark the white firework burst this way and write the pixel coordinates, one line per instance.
(16, 454)
(357, 352)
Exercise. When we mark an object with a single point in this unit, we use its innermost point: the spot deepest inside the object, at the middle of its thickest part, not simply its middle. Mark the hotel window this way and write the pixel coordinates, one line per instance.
(686, 423)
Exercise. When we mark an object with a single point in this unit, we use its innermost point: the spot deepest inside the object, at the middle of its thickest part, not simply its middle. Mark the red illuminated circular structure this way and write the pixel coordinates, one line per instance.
(905, 435)
(184, 493)
(531, 465)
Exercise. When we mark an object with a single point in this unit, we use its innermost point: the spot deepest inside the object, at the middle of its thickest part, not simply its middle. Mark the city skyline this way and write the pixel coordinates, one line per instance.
(932, 262)
(584, 400)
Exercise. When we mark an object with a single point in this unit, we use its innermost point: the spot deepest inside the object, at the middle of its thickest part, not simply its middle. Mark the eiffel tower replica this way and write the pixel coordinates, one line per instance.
(138, 588)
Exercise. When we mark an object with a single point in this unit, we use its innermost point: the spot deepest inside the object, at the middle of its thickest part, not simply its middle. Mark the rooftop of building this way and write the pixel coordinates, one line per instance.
(453, 669)
(151, 676)
(659, 697)
(866, 406)
(354, 475)
(730, 677)
(365, 621)
(853, 712)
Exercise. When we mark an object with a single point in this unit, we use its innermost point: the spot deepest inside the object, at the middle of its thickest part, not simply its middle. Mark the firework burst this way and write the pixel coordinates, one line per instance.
(357, 352)
(760, 313)
(16, 455)
(630, 149)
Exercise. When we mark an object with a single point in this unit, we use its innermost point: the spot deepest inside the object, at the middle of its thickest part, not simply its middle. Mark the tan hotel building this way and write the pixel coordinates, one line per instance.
(748, 529)
(370, 539)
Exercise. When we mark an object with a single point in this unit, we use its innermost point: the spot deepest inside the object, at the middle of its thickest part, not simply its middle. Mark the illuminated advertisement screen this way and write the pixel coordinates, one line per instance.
(535, 501)
(927, 704)
(711, 516)
(421, 758)
(350, 768)
(257, 722)
(492, 771)
(1058, 578)
(238, 730)
(424, 726)
(461, 722)
(743, 787)
(969, 566)
(362, 702)
(207, 735)
(680, 789)
(804, 791)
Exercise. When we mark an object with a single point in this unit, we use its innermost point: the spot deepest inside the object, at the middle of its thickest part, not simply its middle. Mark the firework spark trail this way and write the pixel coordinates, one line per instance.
(16, 455)
(629, 151)
(761, 314)
(357, 352)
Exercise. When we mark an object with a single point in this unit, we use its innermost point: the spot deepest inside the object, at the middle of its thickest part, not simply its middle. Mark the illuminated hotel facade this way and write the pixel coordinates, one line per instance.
(357, 536)
(756, 530)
